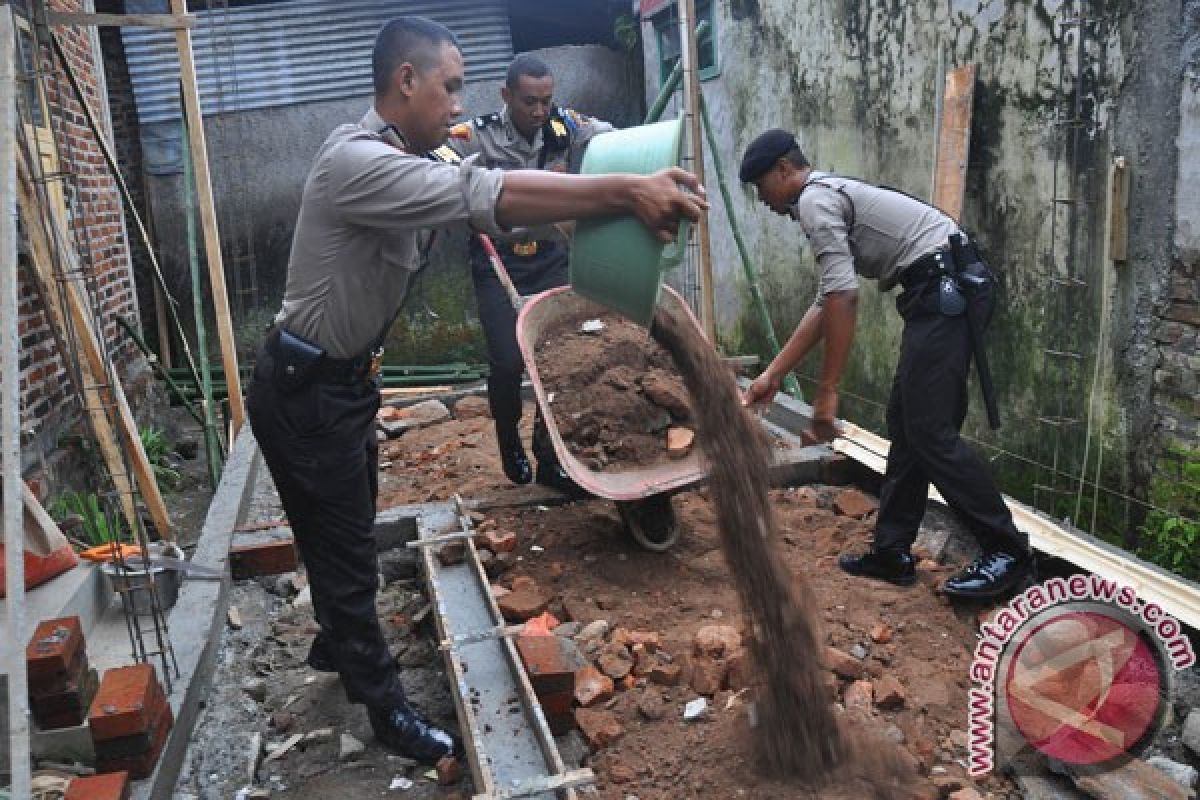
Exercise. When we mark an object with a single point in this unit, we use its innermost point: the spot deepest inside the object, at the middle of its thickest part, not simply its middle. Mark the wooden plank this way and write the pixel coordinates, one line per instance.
(1118, 211)
(121, 20)
(1178, 597)
(208, 219)
(954, 142)
(98, 393)
(690, 59)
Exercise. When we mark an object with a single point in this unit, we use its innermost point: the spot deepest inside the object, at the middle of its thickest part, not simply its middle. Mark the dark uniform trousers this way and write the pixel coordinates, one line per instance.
(925, 413)
(546, 269)
(319, 443)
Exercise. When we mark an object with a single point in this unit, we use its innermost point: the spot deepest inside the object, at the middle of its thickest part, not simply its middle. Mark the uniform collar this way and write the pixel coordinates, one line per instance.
(514, 135)
(376, 124)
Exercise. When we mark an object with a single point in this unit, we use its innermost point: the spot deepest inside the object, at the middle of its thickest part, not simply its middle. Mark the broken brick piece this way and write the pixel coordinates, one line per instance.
(858, 696)
(498, 541)
(708, 675)
(53, 653)
(853, 503)
(889, 693)
(107, 786)
(679, 442)
(263, 553)
(592, 687)
(842, 663)
(129, 701)
(665, 674)
(522, 604)
(447, 770)
(600, 728)
(716, 640)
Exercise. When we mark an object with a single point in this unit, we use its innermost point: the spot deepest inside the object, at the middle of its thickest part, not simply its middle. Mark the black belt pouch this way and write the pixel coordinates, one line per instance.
(295, 360)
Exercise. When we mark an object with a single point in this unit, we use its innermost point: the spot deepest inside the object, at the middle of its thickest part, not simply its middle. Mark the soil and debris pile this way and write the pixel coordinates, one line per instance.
(618, 399)
(798, 734)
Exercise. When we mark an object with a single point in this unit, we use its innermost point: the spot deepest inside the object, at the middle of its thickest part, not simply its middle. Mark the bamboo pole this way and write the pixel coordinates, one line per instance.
(691, 84)
(101, 391)
(790, 385)
(212, 444)
(208, 216)
(10, 423)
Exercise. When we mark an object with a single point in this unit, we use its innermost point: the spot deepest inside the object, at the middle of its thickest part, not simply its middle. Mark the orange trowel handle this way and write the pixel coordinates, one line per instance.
(108, 552)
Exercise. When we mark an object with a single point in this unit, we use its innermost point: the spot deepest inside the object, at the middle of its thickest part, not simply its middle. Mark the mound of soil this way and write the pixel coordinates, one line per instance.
(615, 392)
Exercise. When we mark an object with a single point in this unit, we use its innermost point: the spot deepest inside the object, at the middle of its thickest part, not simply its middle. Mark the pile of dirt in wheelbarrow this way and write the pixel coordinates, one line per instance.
(617, 397)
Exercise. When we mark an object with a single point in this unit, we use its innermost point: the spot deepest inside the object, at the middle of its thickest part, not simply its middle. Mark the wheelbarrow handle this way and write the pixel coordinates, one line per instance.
(514, 296)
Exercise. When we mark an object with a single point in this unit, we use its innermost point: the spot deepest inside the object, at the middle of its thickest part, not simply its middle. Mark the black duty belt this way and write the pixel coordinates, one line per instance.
(927, 267)
(327, 369)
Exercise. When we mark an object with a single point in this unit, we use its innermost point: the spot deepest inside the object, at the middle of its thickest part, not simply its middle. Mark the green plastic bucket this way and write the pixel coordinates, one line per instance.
(617, 261)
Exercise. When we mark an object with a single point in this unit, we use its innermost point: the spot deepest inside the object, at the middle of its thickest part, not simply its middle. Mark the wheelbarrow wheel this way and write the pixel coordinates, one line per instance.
(651, 522)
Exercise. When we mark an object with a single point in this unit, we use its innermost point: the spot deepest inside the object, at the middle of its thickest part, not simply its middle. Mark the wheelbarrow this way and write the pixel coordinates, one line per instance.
(642, 494)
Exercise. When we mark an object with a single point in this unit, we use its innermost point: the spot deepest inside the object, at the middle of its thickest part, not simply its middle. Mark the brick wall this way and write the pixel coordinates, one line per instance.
(1177, 377)
(95, 214)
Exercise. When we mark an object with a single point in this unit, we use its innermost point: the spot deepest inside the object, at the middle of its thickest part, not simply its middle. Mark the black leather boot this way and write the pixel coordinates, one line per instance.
(512, 456)
(990, 575)
(402, 730)
(319, 657)
(885, 565)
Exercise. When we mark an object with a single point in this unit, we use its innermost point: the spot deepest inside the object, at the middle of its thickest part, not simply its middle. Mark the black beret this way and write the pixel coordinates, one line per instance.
(763, 152)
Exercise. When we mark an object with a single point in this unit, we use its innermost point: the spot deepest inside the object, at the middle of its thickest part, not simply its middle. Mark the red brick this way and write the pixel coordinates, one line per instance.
(544, 660)
(68, 708)
(263, 553)
(142, 765)
(139, 744)
(108, 786)
(52, 654)
(554, 704)
(853, 503)
(130, 699)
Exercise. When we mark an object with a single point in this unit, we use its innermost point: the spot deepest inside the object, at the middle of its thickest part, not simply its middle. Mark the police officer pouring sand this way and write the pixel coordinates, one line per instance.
(313, 399)
(530, 132)
(880, 233)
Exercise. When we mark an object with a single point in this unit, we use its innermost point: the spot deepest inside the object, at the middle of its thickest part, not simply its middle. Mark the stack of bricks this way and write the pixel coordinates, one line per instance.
(130, 720)
(61, 684)
(551, 662)
(108, 786)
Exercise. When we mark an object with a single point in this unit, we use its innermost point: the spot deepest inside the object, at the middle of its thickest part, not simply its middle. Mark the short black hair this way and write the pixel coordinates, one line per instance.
(766, 150)
(525, 64)
(414, 40)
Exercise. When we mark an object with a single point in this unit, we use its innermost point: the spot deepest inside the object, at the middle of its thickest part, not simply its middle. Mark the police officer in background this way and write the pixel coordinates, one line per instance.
(855, 227)
(314, 396)
(530, 132)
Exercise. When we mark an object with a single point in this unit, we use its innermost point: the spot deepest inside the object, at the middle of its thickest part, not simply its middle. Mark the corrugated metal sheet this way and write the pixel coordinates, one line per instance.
(302, 51)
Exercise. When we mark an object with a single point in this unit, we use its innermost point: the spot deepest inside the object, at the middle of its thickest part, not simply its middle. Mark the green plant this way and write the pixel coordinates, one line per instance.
(1170, 534)
(627, 32)
(158, 453)
(98, 526)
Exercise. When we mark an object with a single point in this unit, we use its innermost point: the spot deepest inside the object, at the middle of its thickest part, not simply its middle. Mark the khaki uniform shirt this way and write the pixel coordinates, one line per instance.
(856, 227)
(501, 145)
(356, 245)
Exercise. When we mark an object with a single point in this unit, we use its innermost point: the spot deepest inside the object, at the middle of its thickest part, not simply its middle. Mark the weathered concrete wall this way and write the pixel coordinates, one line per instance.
(261, 158)
(858, 84)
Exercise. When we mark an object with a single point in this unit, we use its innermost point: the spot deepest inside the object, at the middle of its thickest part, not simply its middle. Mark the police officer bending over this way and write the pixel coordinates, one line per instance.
(530, 132)
(314, 396)
(880, 233)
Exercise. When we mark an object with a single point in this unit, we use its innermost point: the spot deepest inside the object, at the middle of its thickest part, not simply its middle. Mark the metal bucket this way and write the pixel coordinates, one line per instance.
(133, 582)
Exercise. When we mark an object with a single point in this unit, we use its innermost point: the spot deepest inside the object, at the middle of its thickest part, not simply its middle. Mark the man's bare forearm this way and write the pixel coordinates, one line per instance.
(837, 324)
(802, 340)
(533, 197)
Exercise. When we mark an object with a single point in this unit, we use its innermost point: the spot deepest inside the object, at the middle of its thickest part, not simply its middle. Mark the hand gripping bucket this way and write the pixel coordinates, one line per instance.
(617, 261)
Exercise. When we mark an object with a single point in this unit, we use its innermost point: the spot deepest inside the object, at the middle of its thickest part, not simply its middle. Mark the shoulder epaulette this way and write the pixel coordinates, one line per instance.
(461, 131)
(444, 154)
(487, 120)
